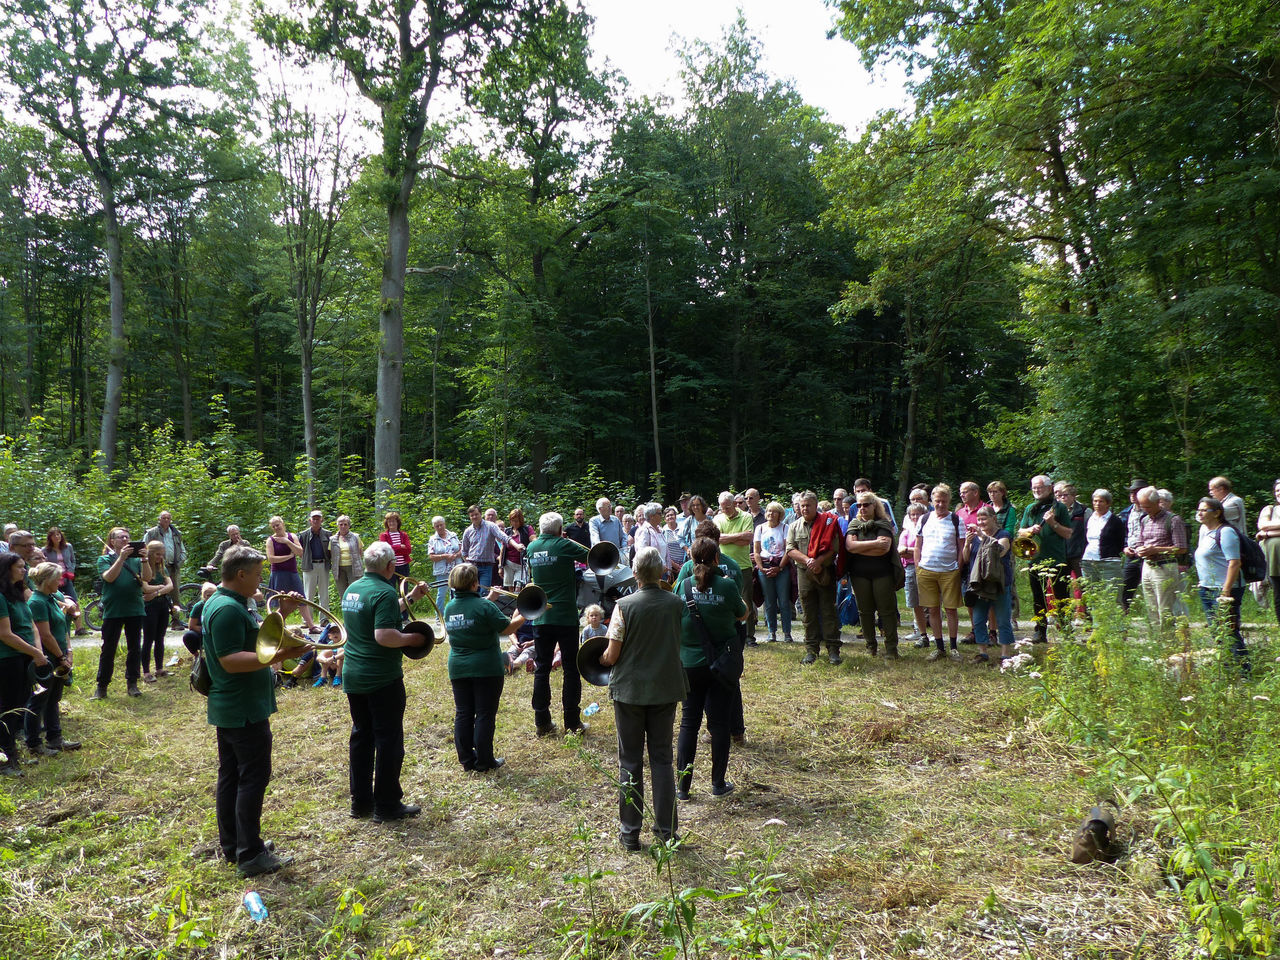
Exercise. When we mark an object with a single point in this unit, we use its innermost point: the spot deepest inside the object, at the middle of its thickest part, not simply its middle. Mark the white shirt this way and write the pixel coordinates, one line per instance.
(771, 542)
(1093, 531)
(648, 535)
(939, 547)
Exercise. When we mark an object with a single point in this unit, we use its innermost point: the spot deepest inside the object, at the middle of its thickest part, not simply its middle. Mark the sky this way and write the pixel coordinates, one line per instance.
(640, 38)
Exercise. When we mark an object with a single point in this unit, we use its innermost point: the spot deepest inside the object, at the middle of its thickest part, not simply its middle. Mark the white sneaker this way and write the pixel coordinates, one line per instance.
(912, 637)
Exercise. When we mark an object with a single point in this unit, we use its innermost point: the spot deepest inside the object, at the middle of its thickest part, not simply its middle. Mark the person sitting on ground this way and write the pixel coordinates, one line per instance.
(193, 637)
(330, 662)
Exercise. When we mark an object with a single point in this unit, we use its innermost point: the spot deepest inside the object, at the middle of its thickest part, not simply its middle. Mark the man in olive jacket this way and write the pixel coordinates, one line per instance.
(646, 684)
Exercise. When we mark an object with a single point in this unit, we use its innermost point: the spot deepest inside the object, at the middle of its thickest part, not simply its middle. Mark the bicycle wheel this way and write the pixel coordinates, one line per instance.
(92, 612)
(189, 595)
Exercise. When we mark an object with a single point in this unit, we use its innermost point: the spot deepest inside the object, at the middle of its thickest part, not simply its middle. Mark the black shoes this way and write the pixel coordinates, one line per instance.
(99, 693)
(265, 862)
(630, 844)
(545, 730)
(722, 790)
(809, 658)
(682, 794)
(578, 731)
(67, 745)
(133, 691)
(40, 750)
(486, 767)
(406, 811)
(361, 812)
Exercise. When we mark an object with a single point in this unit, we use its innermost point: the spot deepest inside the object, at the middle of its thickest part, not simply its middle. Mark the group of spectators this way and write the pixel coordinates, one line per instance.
(702, 577)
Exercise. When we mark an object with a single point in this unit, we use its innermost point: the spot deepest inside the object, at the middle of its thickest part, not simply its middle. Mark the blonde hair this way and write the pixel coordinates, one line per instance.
(464, 576)
(43, 572)
(586, 614)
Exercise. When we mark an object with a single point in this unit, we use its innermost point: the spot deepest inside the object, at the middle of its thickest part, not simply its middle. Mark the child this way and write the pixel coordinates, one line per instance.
(330, 667)
(592, 623)
(193, 637)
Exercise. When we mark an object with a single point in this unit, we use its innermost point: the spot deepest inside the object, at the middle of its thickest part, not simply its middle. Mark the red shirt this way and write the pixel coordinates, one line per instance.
(401, 544)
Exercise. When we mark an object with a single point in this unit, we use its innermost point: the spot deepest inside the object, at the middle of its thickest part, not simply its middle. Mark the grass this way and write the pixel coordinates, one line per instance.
(923, 813)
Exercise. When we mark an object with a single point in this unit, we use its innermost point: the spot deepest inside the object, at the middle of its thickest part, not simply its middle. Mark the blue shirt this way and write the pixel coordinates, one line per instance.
(1214, 550)
(611, 530)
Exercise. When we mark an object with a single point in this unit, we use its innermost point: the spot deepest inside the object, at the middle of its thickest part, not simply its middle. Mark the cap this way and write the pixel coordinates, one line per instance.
(686, 495)
(315, 513)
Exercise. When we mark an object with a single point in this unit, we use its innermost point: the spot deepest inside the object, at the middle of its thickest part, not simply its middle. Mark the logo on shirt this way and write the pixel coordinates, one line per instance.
(540, 558)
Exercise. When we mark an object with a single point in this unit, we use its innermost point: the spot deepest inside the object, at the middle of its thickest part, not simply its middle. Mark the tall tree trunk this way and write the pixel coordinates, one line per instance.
(259, 411)
(117, 345)
(386, 437)
(909, 434)
(309, 421)
(653, 364)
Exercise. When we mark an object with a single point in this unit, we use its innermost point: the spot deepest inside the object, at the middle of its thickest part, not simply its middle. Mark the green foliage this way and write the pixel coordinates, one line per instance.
(1190, 744)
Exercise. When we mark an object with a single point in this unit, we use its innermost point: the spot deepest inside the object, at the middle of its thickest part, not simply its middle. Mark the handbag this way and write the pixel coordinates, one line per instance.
(727, 664)
(201, 680)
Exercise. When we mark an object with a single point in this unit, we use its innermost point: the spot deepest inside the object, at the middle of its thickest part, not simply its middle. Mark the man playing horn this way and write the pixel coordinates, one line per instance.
(551, 566)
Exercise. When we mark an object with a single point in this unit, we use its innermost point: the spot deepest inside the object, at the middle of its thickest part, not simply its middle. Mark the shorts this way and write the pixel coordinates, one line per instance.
(939, 589)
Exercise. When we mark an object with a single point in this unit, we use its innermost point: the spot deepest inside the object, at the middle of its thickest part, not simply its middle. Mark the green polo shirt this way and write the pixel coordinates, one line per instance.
(235, 699)
(19, 615)
(370, 604)
(720, 608)
(739, 553)
(48, 609)
(123, 596)
(1052, 546)
(473, 624)
(197, 611)
(551, 567)
(727, 566)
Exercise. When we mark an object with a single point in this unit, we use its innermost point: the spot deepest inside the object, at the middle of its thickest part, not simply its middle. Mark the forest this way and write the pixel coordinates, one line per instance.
(380, 235)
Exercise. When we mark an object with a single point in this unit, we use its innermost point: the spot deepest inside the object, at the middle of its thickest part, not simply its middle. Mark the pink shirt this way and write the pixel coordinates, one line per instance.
(907, 541)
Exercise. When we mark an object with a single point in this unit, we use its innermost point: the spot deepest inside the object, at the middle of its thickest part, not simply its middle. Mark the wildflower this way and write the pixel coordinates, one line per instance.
(775, 822)
(1034, 674)
(1016, 662)
(1187, 699)
(1262, 698)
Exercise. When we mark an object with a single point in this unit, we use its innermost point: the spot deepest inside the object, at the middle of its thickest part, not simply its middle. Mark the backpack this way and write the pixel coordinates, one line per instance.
(1253, 562)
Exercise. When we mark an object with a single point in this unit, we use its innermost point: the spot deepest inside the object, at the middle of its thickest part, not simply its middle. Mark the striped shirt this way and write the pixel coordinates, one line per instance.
(480, 544)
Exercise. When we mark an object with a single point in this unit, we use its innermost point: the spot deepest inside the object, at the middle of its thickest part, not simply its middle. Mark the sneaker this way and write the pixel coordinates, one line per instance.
(337, 681)
(953, 653)
(67, 745)
(148, 678)
(40, 750)
(921, 642)
(912, 637)
(406, 811)
(751, 642)
(484, 768)
(132, 689)
(835, 660)
(788, 639)
(545, 731)
(935, 655)
(319, 683)
(265, 862)
(970, 639)
(773, 638)
(809, 658)
(722, 790)
(981, 658)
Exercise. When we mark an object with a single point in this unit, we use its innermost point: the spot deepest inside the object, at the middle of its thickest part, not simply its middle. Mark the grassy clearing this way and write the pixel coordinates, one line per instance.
(923, 813)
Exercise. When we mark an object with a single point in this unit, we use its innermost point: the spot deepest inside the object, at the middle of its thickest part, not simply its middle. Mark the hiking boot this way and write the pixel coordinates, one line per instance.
(132, 689)
(99, 693)
(834, 659)
(809, 658)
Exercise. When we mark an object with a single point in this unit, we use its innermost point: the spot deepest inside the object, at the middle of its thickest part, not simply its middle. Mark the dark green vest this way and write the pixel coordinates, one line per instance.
(648, 670)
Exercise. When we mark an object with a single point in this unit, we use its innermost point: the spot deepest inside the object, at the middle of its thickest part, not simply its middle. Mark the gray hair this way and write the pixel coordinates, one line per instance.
(550, 524)
(808, 495)
(725, 495)
(651, 508)
(20, 535)
(1104, 494)
(1148, 493)
(602, 501)
(239, 557)
(1165, 497)
(341, 517)
(232, 527)
(648, 566)
(378, 555)
(439, 519)
(1042, 478)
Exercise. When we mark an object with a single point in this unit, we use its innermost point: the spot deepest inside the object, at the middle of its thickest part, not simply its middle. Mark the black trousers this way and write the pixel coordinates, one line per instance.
(544, 651)
(706, 695)
(244, 769)
(475, 712)
(155, 621)
(193, 640)
(14, 693)
(111, 628)
(42, 711)
(1132, 575)
(1060, 587)
(377, 748)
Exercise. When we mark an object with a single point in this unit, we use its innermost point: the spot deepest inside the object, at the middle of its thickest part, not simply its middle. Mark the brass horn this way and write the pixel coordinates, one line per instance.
(589, 666)
(1026, 548)
(603, 558)
(531, 602)
(407, 585)
(274, 636)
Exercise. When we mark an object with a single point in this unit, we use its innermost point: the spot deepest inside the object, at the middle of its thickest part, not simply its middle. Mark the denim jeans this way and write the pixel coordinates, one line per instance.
(1213, 610)
(1002, 605)
(777, 599)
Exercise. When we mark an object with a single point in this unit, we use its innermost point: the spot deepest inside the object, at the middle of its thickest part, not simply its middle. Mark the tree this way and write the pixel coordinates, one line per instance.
(116, 80)
(314, 163)
(399, 53)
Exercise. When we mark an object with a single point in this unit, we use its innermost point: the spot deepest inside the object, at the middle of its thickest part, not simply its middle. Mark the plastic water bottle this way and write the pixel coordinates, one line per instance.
(253, 903)
(591, 710)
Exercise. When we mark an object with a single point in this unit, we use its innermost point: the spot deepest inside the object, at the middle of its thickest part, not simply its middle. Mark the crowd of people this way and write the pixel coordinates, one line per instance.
(700, 580)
